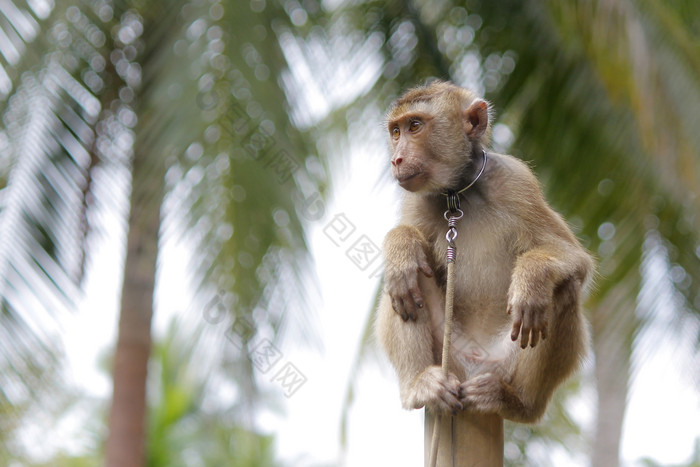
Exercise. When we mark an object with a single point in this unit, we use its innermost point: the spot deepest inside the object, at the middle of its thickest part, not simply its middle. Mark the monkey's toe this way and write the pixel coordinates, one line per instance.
(481, 393)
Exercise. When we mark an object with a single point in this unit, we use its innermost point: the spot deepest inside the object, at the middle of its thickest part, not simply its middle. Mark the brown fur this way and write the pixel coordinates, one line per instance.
(519, 271)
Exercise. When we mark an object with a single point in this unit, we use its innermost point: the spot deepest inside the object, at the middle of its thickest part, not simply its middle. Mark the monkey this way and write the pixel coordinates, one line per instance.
(520, 272)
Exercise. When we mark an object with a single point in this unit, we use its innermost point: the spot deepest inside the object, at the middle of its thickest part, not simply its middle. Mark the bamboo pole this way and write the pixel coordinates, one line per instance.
(466, 440)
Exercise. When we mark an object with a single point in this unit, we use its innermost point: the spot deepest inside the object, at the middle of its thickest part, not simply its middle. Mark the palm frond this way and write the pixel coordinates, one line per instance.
(49, 134)
(246, 170)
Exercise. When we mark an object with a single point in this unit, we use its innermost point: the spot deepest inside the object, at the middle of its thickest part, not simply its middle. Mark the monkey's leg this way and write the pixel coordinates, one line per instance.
(412, 349)
(522, 393)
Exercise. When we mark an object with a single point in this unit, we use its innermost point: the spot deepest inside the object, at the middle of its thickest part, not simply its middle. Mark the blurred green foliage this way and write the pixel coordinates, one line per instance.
(246, 105)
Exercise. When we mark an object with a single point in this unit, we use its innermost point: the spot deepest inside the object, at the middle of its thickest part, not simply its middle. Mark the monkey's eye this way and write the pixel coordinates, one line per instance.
(414, 126)
(395, 132)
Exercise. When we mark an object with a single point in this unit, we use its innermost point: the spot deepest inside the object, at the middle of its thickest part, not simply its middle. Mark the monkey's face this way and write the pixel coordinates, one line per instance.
(432, 130)
(408, 162)
(422, 156)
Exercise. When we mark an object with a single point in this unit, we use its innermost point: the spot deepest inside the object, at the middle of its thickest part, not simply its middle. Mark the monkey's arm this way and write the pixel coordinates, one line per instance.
(536, 274)
(405, 258)
(411, 348)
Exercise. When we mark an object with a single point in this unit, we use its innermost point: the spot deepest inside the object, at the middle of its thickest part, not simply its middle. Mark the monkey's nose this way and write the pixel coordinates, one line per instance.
(396, 161)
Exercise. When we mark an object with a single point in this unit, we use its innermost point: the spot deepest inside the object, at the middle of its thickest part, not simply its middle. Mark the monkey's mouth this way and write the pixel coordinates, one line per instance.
(402, 178)
(409, 181)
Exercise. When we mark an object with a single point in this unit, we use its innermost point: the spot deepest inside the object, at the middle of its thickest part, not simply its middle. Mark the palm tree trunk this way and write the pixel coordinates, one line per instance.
(126, 440)
(612, 401)
(612, 336)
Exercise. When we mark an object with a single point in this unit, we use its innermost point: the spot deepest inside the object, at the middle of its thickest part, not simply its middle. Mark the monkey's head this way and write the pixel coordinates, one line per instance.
(433, 132)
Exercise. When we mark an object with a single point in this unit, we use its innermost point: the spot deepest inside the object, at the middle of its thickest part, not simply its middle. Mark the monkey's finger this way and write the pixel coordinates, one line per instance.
(515, 333)
(407, 307)
(397, 305)
(527, 328)
(418, 299)
(539, 330)
(517, 324)
(416, 294)
(411, 310)
(524, 339)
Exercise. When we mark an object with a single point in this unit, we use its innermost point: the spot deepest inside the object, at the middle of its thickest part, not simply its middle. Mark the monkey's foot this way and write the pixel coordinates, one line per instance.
(433, 390)
(483, 393)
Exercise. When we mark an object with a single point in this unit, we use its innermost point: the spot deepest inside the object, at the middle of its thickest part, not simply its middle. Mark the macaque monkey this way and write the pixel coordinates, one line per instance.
(520, 272)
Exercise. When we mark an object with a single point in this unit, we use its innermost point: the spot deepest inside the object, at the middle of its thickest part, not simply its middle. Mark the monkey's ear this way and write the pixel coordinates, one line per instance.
(476, 119)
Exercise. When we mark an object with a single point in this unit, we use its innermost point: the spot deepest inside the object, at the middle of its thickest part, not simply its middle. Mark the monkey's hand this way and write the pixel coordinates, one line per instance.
(405, 259)
(529, 311)
(433, 390)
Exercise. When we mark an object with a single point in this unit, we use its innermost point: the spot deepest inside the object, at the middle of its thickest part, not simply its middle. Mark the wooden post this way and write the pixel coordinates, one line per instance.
(466, 440)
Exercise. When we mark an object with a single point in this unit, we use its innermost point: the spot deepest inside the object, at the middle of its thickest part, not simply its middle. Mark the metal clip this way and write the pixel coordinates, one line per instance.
(452, 218)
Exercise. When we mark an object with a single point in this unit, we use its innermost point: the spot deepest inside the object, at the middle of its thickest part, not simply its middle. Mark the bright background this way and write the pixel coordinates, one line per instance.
(193, 110)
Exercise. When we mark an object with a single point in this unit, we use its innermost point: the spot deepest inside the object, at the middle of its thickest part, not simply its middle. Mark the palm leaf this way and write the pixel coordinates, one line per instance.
(49, 133)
